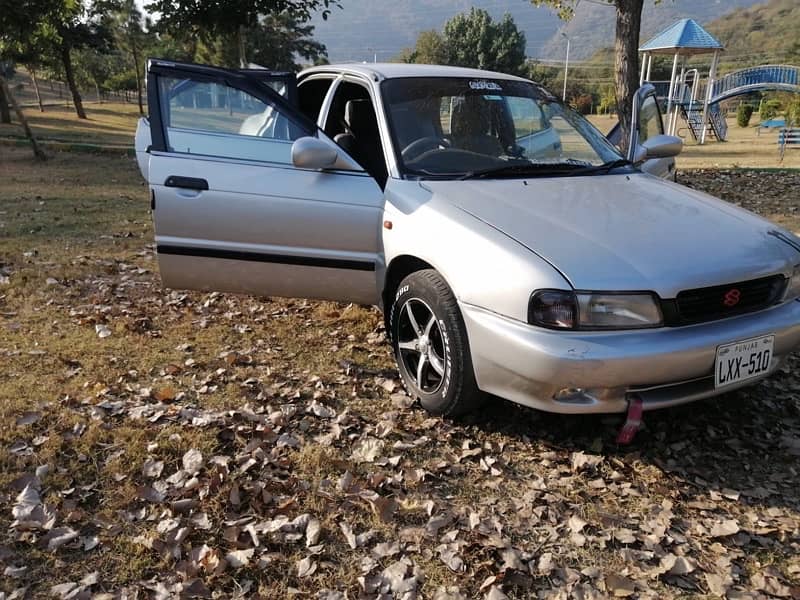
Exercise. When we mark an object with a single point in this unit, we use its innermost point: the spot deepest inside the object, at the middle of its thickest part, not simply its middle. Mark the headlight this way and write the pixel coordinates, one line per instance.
(793, 289)
(557, 309)
(617, 311)
(554, 309)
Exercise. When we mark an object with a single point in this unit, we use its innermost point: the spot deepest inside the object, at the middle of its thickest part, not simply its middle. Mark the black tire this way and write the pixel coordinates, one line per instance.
(440, 342)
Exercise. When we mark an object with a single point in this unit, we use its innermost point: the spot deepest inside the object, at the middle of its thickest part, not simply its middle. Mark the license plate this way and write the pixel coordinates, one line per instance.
(743, 360)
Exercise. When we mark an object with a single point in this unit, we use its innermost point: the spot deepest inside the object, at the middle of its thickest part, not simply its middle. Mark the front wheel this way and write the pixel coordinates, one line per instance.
(431, 347)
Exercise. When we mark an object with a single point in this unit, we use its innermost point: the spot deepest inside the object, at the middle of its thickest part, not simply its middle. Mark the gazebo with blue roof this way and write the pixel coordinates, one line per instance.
(684, 39)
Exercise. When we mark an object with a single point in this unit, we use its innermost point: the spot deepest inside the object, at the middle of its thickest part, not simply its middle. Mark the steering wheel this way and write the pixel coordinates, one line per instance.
(422, 145)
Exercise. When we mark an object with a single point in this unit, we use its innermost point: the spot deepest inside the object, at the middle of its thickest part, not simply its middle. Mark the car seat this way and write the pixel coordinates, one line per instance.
(362, 140)
(470, 123)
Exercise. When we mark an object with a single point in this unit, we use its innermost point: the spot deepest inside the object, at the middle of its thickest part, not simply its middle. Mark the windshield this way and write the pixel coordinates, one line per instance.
(459, 127)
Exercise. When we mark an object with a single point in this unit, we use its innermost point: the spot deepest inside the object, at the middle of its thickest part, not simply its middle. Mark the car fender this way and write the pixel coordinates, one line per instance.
(483, 266)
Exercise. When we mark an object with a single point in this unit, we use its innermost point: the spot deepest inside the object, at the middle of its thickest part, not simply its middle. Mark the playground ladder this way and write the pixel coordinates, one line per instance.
(716, 127)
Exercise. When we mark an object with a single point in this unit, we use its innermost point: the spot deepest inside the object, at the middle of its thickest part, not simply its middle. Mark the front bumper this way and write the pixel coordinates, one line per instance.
(665, 366)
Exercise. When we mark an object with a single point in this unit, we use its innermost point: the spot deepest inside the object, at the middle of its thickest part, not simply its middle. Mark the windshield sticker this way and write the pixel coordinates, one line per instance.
(485, 85)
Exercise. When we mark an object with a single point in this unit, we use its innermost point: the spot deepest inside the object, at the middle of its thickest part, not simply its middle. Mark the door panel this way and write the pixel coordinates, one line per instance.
(233, 214)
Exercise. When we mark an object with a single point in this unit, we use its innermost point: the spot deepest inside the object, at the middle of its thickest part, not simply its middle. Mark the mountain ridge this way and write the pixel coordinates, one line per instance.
(366, 28)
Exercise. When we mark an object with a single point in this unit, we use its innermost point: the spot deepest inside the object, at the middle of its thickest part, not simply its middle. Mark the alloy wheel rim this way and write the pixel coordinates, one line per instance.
(421, 345)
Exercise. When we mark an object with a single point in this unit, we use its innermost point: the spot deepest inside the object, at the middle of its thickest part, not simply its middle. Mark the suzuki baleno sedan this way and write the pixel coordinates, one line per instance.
(513, 249)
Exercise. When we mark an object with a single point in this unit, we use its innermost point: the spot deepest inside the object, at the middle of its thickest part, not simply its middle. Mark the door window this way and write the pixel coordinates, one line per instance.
(311, 96)
(527, 116)
(214, 119)
(650, 124)
(353, 124)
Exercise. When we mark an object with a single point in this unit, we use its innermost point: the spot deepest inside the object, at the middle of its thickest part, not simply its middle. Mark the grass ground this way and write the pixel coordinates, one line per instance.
(109, 124)
(171, 443)
(744, 148)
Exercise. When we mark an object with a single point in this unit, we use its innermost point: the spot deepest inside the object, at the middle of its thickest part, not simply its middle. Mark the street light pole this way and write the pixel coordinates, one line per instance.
(566, 69)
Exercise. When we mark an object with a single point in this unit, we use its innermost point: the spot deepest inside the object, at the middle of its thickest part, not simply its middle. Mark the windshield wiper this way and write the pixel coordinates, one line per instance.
(567, 168)
(425, 174)
(533, 169)
(605, 167)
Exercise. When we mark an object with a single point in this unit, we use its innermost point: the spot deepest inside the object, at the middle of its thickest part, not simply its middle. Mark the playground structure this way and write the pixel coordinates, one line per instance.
(697, 102)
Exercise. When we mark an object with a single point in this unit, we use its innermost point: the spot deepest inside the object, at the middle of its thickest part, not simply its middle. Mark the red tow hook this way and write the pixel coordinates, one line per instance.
(632, 423)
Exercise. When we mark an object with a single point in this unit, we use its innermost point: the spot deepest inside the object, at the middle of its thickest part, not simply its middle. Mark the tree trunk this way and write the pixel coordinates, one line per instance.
(5, 114)
(242, 53)
(138, 76)
(36, 88)
(626, 62)
(37, 151)
(73, 87)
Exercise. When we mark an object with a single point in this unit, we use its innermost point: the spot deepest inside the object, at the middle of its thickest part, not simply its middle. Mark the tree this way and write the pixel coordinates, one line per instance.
(608, 99)
(94, 68)
(6, 71)
(584, 103)
(131, 37)
(793, 113)
(743, 114)
(543, 74)
(31, 52)
(473, 40)
(74, 26)
(430, 49)
(18, 21)
(229, 19)
(275, 42)
(769, 108)
(626, 52)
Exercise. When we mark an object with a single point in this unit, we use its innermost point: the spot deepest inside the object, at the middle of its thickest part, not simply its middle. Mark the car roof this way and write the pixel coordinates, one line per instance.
(380, 71)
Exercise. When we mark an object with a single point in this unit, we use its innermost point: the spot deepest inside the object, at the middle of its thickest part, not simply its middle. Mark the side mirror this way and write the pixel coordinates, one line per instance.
(314, 153)
(662, 146)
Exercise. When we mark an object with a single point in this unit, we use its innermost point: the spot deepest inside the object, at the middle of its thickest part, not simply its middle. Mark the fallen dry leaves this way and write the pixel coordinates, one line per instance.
(240, 462)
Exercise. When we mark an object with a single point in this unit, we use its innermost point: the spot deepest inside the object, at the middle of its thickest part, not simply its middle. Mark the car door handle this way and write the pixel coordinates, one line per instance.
(187, 183)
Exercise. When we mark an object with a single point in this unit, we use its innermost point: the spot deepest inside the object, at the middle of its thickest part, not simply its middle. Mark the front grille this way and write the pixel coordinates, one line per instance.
(712, 303)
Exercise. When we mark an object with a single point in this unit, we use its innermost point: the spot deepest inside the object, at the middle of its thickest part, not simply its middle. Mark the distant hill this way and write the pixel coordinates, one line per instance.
(384, 27)
(593, 25)
(764, 33)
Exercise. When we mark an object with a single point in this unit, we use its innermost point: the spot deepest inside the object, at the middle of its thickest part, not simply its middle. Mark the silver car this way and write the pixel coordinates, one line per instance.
(513, 249)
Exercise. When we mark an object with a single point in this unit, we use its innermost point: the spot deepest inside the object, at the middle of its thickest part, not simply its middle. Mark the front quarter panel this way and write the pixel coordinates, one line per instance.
(483, 266)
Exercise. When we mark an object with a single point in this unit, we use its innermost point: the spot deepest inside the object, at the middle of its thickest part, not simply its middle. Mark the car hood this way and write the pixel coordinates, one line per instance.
(625, 232)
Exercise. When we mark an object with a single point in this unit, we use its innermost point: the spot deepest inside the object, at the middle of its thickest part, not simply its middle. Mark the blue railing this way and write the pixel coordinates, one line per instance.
(681, 95)
(755, 78)
(786, 77)
(718, 121)
(662, 88)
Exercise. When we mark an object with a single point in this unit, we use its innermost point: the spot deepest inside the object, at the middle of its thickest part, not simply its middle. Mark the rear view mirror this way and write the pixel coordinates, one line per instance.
(311, 153)
(314, 153)
(662, 146)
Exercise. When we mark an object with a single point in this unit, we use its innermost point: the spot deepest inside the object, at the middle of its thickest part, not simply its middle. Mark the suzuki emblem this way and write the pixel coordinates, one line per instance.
(732, 298)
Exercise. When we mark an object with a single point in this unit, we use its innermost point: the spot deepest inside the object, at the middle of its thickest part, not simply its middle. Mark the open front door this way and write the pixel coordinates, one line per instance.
(232, 213)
